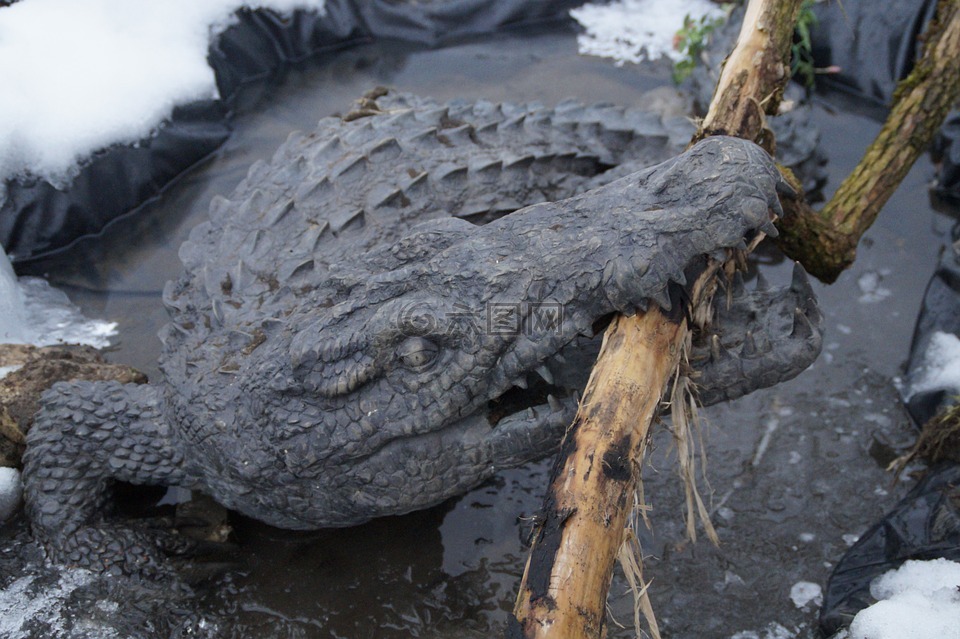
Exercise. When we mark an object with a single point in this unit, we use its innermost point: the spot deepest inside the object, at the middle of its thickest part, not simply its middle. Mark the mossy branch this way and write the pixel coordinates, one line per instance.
(825, 242)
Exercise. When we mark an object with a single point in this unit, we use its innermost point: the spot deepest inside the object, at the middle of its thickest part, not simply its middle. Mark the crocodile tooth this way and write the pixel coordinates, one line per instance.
(783, 188)
(554, 403)
(762, 283)
(749, 350)
(545, 373)
(576, 396)
(531, 414)
(559, 359)
(717, 350)
(737, 287)
(762, 342)
(520, 382)
(584, 327)
(802, 327)
(770, 229)
(680, 278)
(643, 305)
(800, 283)
(662, 298)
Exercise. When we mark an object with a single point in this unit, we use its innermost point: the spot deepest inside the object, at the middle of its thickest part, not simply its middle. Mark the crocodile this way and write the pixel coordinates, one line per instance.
(405, 301)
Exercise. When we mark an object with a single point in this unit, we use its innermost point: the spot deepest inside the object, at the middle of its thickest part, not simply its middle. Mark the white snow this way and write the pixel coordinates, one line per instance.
(941, 366)
(11, 491)
(636, 30)
(850, 540)
(872, 291)
(919, 600)
(80, 75)
(806, 592)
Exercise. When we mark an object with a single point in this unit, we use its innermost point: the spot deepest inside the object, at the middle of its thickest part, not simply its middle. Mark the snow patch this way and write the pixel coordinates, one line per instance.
(637, 30)
(872, 292)
(940, 369)
(919, 600)
(81, 75)
(806, 592)
(850, 540)
(11, 491)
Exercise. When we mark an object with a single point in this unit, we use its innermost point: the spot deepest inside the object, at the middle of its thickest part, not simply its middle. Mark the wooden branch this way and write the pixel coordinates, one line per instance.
(753, 78)
(568, 573)
(567, 577)
(826, 242)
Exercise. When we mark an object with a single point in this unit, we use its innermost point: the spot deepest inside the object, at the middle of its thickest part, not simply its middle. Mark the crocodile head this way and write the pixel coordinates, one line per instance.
(460, 350)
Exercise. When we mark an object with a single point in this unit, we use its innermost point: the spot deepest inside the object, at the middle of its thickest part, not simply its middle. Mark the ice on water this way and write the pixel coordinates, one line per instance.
(13, 315)
(33, 312)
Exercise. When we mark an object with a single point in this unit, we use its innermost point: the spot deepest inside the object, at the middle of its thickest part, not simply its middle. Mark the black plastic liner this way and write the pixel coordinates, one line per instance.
(924, 525)
(873, 43)
(947, 154)
(36, 218)
(939, 312)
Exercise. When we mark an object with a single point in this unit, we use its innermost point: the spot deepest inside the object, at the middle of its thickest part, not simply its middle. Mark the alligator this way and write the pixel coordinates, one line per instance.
(405, 301)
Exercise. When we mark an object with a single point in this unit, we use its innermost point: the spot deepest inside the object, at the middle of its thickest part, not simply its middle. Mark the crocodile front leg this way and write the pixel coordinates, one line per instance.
(86, 436)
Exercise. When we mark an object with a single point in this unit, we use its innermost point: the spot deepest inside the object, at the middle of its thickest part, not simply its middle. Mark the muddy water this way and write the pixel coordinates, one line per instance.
(794, 471)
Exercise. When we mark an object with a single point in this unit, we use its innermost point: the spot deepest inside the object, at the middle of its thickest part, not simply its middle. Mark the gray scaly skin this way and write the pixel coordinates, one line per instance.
(345, 344)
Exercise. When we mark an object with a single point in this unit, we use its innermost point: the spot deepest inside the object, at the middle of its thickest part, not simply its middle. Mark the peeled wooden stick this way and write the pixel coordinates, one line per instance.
(564, 588)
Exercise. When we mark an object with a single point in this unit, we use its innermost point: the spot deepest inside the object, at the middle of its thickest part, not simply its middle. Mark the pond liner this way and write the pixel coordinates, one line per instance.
(875, 44)
(36, 218)
(947, 155)
(939, 313)
(924, 525)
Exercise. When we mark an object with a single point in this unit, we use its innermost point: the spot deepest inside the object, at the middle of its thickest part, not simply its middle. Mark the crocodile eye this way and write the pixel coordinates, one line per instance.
(417, 353)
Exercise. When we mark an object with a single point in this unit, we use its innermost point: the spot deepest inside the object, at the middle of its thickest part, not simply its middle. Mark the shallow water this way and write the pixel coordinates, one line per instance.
(795, 470)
